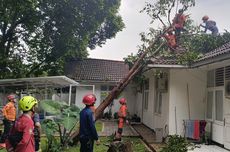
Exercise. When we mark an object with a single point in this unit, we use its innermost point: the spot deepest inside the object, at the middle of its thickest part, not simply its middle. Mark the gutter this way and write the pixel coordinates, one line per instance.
(167, 66)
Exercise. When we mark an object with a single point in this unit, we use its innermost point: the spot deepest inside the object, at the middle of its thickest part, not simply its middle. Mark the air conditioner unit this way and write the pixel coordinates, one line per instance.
(227, 89)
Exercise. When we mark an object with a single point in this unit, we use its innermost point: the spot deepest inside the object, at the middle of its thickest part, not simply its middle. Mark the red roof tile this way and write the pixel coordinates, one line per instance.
(96, 70)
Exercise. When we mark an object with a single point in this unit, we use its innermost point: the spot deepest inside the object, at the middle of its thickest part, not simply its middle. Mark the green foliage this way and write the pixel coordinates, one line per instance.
(176, 143)
(65, 119)
(39, 36)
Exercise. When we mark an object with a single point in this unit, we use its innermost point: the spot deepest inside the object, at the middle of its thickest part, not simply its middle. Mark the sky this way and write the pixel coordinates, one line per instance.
(128, 39)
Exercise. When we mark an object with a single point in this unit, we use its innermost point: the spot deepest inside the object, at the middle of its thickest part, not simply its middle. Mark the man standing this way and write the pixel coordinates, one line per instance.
(121, 119)
(21, 136)
(88, 131)
(209, 25)
(9, 114)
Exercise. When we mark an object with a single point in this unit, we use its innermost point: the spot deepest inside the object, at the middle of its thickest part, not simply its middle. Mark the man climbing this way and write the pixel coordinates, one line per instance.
(178, 22)
(9, 114)
(171, 39)
(209, 25)
(122, 113)
(88, 131)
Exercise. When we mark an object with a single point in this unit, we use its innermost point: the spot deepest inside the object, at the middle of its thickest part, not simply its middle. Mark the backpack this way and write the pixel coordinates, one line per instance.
(15, 138)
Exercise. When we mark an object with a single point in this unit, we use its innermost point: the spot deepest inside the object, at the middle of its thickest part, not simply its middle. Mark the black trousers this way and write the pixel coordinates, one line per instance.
(86, 145)
(7, 126)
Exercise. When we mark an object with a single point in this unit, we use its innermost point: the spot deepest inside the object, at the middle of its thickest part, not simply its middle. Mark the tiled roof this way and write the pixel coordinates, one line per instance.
(96, 70)
(172, 59)
(164, 60)
(224, 49)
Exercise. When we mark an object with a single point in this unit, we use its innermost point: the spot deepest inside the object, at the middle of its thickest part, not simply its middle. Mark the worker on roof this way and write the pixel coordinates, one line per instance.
(9, 114)
(209, 25)
(88, 132)
(122, 114)
(171, 39)
(178, 22)
(21, 136)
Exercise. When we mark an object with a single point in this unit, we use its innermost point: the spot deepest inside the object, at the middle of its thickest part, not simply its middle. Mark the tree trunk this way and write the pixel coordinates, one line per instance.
(122, 84)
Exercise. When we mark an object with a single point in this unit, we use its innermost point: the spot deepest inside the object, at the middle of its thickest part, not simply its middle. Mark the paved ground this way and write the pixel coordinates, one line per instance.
(148, 136)
(110, 126)
(209, 148)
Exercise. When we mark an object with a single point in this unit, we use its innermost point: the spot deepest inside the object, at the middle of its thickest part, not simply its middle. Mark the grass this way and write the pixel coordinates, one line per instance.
(138, 145)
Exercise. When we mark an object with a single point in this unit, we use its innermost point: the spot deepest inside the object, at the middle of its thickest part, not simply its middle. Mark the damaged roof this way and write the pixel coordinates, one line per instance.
(219, 54)
(96, 70)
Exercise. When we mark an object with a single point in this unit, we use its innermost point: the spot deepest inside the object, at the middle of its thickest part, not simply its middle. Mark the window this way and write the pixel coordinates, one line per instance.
(209, 105)
(158, 102)
(219, 77)
(219, 105)
(146, 93)
(105, 91)
(215, 97)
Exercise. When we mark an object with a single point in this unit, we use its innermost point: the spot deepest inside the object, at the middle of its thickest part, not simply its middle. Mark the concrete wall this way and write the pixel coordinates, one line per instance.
(150, 118)
(148, 113)
(128, 93)
(179, 79)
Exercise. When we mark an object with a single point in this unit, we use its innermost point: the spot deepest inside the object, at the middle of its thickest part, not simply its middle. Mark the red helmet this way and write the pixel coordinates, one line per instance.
(205, 17)
(122, 101)
(89, 99)
(11, 97)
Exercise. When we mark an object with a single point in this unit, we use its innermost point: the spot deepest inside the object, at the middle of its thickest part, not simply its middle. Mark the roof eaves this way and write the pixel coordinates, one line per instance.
(211, 60)
(167, 66)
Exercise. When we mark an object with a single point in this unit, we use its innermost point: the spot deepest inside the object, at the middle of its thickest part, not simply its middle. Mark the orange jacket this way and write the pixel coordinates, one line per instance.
(179, 20)
(9, 111)
(122, 113)
(171, 39)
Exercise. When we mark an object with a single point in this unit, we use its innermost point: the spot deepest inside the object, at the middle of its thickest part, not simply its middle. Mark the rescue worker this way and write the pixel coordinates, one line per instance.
(9, 114)
(88, 131)
(171, 39)
(21, 137)
(209, 25)
(178, 22)
(122, 113)
(37, 131)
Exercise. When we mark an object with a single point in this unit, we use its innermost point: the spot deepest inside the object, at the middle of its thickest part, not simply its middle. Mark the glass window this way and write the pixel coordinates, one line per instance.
(209, 105)
(104, 88)
(219, 105)
(146, 93)
(158, 102)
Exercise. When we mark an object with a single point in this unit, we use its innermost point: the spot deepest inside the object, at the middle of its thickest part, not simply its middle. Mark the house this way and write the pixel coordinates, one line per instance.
(200, 91)
(99, 76)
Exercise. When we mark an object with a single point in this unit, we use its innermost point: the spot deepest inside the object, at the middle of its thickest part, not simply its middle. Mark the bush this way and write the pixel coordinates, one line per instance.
(176, 143)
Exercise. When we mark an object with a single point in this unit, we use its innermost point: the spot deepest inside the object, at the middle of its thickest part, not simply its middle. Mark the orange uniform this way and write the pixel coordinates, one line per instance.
(179, 20)
(122, 115)
(9, 111)
(171, 39)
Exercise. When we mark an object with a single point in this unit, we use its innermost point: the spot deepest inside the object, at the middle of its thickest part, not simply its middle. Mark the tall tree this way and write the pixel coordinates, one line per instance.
(38, 35)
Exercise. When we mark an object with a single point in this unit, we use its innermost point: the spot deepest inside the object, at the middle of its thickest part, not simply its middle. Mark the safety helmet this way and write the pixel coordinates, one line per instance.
(11, 97)
(89, 99)
(122, 101)
(27, 102)
(205, 17)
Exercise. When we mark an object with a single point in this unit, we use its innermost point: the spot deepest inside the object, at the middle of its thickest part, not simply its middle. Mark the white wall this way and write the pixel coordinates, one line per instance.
(148, 114)
(178, 97)
(128, 93)
(150, 118)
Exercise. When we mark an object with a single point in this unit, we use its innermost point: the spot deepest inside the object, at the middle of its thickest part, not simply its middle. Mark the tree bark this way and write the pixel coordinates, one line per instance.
(122, 84)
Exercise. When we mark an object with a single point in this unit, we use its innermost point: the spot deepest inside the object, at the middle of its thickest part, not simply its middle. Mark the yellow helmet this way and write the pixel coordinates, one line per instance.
(27, 102)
